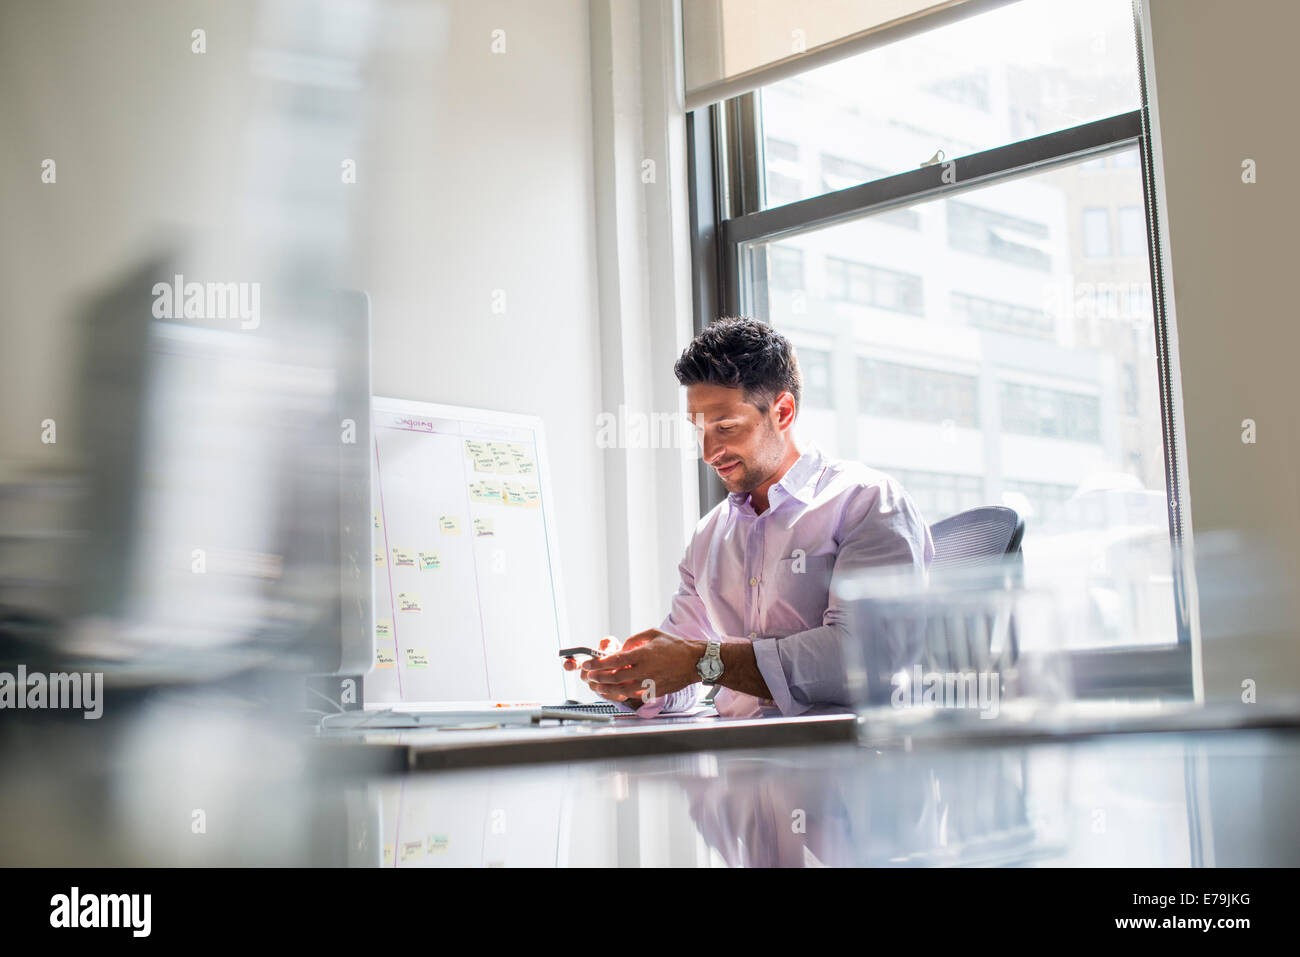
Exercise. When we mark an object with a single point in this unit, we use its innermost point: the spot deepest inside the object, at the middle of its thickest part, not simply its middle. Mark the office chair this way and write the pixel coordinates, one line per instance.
(964, 638)
(978, 534)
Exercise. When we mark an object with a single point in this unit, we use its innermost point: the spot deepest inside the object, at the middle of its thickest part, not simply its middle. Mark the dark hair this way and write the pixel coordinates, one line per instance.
(743, 353)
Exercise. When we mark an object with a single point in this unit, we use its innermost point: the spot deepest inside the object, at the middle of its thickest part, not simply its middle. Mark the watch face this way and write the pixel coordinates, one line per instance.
(709, 668)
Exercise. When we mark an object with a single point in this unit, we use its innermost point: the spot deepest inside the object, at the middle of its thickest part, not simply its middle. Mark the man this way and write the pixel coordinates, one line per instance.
(755, 612)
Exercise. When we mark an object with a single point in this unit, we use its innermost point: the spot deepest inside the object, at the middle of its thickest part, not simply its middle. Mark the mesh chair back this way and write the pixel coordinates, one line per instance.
(980, 533)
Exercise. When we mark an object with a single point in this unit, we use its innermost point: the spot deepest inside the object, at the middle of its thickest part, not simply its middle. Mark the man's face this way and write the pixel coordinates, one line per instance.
(743, 445)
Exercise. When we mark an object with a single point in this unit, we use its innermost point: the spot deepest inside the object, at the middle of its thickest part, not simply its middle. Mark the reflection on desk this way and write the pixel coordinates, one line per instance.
(1180, 799)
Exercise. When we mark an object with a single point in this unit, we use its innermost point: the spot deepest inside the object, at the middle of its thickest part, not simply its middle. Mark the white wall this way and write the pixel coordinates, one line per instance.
(474, 174)
(1224, 92)
(477, 176)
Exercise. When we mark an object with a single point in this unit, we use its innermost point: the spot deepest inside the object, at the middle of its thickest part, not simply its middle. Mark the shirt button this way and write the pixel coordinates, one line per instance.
(753, 581)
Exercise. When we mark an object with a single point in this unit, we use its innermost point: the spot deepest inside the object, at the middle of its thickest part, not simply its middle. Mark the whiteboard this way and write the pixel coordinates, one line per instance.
(468, 603)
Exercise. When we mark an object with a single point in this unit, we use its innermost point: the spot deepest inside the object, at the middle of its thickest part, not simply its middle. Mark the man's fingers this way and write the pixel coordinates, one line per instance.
(640, 638)
(606, 693)
(624, 659)
(621, 691)
(606, 676)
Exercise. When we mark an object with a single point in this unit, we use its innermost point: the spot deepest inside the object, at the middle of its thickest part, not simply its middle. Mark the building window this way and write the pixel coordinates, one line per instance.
(1046, 501)
(840, 173)
(781, 151)
(970, 89)
(1050, 413)
(1132, 231)
(940, 495)
(784, 267)
(866, 285)
(815, 367)
(1001, 316)
(997, 235)
(895, 391)
(1096, 233)
(782, 189)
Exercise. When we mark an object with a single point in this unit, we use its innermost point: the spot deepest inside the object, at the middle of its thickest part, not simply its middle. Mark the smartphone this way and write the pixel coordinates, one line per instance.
(632, 703)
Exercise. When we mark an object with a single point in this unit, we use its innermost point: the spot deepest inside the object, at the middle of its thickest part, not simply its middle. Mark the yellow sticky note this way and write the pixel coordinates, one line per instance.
(487, 491)
(388, 855)
(408, 601)
(412, 849)
(449, 524)
(438, 843)
(403, 558)
(429, 561)
(416, 658)
(514, 493)
(377, 520)
(474, 449)
(483, 527)
(383, 628)
(379, 556)
(385, 657)
(532, 496)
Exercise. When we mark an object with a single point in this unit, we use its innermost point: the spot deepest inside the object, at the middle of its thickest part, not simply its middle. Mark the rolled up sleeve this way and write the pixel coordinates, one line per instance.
(806, 669)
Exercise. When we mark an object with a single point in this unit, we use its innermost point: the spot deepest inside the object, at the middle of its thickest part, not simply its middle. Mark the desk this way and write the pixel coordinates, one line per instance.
(124, 790)
(1223, 798)
(440, 750)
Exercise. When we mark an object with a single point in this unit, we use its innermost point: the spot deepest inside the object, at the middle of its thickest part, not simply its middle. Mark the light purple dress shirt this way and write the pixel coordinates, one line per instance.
(766, 578)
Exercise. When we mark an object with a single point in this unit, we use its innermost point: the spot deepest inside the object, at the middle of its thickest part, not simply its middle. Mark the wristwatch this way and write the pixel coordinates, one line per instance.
(710, 664)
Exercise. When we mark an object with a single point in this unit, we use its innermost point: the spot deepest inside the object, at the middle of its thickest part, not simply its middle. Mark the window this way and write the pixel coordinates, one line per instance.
(781, 151)
(895, 391)
(1039, 503)
(785, 268)
(971, 89)
(1022, 70)
(1132, 231)
(940, 495)
(840, 173)
(1051, 413)
(872, 286)
(815, 366)
(1096, 233)
(782, 189)
(1001, 316)
(1003, 348)
(997, 235)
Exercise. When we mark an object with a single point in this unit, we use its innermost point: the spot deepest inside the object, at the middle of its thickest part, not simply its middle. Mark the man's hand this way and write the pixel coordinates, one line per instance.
(606, 645)
(651, 664)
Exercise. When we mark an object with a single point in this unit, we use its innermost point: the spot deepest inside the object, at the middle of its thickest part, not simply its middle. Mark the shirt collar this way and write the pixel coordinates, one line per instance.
(799, 481)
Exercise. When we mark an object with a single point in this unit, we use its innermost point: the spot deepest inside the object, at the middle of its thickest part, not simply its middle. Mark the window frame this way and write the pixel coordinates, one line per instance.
(725, 146)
